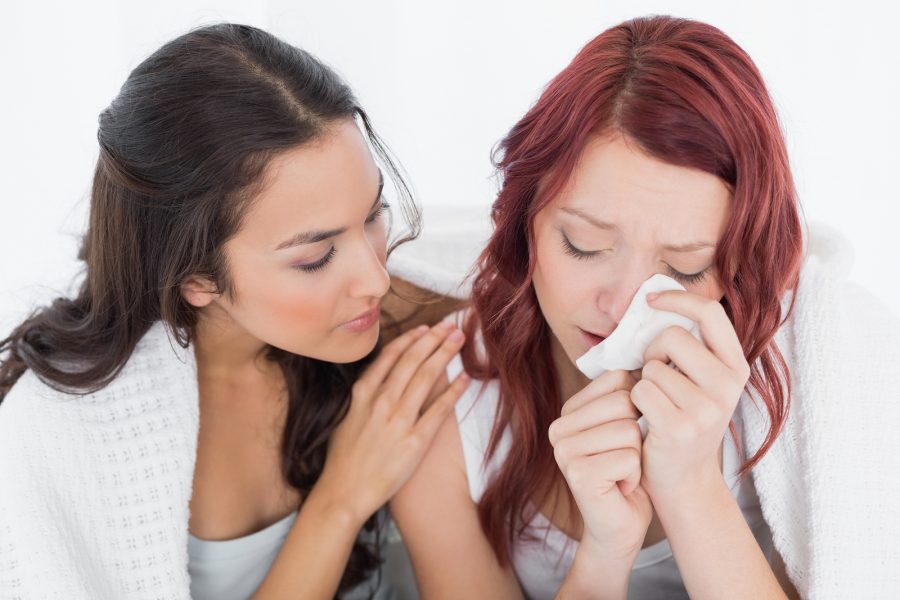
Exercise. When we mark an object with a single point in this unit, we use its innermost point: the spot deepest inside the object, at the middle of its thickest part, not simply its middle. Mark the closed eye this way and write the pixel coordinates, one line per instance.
(684, 278)
(383, 206)
(688, 279)
(571, 250)
(318, 265)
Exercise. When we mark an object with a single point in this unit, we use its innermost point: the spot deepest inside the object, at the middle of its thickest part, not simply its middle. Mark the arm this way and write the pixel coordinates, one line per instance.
(439, 524)
(372, 452)
(321, 540)
(688, 410)
(716, 553)
(588, 569)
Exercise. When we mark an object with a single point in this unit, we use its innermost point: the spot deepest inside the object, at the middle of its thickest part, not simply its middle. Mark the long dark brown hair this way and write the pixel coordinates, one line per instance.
(183, 148)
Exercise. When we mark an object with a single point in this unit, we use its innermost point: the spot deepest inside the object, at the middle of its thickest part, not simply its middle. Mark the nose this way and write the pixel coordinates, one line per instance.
(618, 294)
(370, 277)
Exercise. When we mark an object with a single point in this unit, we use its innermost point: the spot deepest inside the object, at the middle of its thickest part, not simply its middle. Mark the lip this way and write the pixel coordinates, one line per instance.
(363, 321)
(591, 339)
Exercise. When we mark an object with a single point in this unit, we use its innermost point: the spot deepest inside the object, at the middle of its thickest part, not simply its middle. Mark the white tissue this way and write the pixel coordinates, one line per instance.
(640, 325)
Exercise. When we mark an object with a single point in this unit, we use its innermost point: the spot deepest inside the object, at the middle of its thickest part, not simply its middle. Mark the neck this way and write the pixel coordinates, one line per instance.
(226, 352)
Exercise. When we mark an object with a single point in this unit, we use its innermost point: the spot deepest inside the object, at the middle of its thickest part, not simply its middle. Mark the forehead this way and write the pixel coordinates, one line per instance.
(325, 184)
(615, 180)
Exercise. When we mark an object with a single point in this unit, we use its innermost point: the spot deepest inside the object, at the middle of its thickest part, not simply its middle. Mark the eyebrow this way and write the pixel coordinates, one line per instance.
(691, 247)
(311, 237)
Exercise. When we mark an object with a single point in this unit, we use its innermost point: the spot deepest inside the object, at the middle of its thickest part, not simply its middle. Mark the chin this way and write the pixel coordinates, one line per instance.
(335, 347)
(346, 359)
(351, 350)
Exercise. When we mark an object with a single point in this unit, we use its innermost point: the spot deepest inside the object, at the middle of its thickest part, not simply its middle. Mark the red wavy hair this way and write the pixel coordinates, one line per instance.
(688, 95)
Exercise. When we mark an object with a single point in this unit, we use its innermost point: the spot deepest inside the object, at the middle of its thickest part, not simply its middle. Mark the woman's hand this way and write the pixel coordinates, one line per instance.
(381, 441)
(597, 445)
(688, 411)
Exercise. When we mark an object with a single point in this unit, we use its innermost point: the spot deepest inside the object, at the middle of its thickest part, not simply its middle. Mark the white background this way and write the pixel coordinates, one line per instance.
(442, 82)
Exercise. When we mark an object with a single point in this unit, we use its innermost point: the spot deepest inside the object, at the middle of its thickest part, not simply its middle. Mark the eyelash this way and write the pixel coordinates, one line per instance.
(319, 264)
(378, 212)
(688, 279)
(323, 262)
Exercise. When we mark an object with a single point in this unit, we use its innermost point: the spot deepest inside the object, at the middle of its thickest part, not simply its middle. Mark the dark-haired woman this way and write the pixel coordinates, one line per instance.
(770, 463)
(209, 416)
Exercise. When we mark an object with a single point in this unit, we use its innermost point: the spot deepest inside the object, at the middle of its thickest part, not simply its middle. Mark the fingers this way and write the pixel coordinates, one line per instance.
(615, 435)
(614, 406)
(656, 407)
(692, 358)
(680, 390)
(405, 368)
(429, 423)
(367, 383)
(425, 377)
(607, 383)
(632, 468)
(603, 471)
(715, 327)
(440, 385)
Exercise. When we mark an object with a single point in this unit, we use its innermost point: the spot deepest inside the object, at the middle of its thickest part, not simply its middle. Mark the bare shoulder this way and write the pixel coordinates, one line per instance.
(443, 462)
(438, 521)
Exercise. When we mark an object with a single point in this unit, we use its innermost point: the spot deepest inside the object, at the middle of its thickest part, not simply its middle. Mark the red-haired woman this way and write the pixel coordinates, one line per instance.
(658, 150)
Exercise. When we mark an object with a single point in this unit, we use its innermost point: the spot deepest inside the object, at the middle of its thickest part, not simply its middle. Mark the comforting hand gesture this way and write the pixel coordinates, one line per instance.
(688, 409)
(381, 441)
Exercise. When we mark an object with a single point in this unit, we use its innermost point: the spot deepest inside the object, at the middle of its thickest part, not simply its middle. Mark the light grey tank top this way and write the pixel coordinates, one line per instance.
(234, 569)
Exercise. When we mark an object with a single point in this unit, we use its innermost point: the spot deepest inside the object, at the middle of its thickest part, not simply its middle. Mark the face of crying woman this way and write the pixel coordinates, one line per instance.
(622, 217)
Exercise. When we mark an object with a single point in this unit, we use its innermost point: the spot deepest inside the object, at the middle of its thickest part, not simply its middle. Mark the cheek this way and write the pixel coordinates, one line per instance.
(710, 288)
(282, 306)
(562, 283)
(293, 304)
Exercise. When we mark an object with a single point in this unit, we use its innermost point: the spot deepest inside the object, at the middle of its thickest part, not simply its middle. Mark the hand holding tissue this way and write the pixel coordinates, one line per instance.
(640, 325)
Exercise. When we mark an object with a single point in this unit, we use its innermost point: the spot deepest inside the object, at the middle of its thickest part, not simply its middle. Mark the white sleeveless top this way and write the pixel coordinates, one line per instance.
(541, 565)
(231, 569)
(234, 569)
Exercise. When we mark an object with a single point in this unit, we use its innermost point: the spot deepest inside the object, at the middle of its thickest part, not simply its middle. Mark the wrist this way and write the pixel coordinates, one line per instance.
(335, 508)
(690, 492)
(598, 574)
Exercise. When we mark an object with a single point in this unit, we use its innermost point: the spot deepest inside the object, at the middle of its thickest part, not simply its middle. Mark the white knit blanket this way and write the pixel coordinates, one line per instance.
(830, 485)
(94, 490)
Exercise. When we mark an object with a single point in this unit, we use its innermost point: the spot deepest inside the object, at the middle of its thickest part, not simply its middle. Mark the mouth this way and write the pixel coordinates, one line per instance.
(363, 321)
(592, 339)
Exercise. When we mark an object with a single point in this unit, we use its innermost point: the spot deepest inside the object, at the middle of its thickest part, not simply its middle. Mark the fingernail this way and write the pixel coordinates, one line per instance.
(421, 328)
(444, 325)
(456, 336)
(652, 296)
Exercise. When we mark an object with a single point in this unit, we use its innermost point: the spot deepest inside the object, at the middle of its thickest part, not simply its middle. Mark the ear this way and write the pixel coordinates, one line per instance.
(199, 291)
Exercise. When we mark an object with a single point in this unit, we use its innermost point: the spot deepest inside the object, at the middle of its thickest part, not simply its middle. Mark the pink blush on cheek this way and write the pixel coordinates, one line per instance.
(306, 313)
(296, 322)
